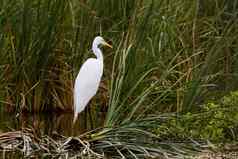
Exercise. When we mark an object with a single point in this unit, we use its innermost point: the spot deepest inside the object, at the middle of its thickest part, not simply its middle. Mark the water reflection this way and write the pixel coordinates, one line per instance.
(51, 123)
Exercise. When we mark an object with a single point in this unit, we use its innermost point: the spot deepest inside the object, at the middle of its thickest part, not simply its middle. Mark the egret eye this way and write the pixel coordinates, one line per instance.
(100, 46)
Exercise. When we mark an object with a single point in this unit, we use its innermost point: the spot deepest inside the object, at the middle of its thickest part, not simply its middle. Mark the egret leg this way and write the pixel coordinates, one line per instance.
(85, 118)
(90, 117)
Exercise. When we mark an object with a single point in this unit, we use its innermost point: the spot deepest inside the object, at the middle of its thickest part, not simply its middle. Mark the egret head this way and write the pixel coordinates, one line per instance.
(98, 40)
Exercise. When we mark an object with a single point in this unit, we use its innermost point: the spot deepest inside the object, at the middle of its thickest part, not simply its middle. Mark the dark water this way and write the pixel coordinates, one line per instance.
(51, 123)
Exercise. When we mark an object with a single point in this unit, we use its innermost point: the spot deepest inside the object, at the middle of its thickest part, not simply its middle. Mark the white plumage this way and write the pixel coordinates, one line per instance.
(88, 78)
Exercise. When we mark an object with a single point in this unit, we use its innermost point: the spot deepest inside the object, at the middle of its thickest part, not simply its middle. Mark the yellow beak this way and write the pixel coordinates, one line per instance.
(108, 45)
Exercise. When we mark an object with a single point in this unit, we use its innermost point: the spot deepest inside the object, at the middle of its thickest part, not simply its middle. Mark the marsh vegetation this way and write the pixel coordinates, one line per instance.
(169, 84)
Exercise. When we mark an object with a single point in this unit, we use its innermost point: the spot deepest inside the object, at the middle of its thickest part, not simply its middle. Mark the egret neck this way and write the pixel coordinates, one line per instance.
(98, 53)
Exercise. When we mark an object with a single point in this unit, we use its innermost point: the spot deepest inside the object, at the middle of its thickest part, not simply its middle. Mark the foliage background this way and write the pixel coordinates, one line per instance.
(169, 58)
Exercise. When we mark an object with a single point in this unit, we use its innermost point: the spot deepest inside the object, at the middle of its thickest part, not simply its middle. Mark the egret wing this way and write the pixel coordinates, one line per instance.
(86, 83)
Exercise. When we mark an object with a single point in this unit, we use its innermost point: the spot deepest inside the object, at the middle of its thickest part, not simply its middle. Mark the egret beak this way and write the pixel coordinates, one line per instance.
(106, 44)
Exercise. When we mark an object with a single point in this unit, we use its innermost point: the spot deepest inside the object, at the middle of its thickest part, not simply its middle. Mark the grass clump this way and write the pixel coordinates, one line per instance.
(216, 122)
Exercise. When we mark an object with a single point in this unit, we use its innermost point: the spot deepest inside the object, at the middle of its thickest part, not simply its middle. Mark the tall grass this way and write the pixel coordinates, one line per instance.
(168, 56)
(35, 72)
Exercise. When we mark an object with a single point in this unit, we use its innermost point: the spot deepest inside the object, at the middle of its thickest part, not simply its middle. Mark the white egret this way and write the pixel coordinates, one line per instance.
(88, 78)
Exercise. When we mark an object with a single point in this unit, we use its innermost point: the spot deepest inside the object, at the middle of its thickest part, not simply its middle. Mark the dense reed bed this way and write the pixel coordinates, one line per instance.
(170, 58)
